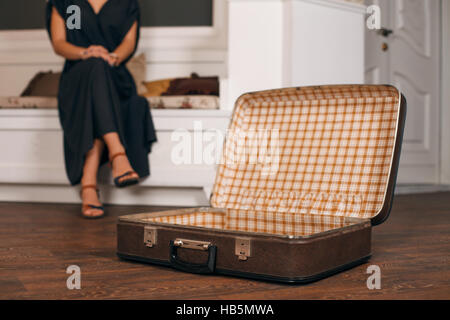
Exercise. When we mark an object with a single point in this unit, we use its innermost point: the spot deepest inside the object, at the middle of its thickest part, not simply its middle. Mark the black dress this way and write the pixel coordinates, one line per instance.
(95, 98)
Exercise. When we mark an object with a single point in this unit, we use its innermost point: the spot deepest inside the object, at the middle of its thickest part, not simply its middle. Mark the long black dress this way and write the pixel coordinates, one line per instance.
(95, 98)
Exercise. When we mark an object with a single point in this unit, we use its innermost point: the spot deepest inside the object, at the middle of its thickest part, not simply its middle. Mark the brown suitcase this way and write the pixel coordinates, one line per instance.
(305, 174)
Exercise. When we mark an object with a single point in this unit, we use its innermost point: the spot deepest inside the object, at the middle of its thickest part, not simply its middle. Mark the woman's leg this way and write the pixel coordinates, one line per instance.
(90, 170)
(121, 164)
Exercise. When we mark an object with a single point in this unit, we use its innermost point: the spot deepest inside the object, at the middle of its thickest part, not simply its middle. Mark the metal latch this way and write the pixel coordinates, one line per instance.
(242, 248)
(192, 244)
(150, 236)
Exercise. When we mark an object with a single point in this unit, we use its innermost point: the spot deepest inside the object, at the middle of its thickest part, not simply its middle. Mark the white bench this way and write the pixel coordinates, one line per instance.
(32, 163)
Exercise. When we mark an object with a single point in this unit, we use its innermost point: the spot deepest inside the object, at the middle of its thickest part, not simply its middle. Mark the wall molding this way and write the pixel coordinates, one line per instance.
(420, 188)
(337, 4)
(165, 120)
(181, 197)
(47, 56)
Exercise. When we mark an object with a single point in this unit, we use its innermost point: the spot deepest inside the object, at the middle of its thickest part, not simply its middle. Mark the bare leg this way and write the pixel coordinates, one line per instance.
(121, 164)
(90, 170)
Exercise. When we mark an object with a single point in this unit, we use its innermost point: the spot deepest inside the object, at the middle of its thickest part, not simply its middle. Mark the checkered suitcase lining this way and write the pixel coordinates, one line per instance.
(257, 221)
(335, 149)
(335, 143)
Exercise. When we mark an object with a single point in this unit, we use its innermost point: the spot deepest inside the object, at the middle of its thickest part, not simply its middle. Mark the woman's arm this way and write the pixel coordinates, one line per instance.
(68, 50)
(126, 48)
(58, 36)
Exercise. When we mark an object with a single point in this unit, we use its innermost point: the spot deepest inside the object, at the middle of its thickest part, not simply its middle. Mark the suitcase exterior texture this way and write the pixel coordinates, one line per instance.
(305, 174)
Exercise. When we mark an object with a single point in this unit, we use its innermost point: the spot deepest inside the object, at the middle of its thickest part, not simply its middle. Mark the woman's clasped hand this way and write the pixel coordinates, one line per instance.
(96, 51)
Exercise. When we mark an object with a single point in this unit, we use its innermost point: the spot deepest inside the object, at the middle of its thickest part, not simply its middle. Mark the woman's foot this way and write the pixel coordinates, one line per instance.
(91, 207)
(123, 173)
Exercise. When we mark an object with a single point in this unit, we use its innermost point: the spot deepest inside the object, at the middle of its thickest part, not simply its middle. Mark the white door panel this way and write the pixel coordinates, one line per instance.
(411, 63)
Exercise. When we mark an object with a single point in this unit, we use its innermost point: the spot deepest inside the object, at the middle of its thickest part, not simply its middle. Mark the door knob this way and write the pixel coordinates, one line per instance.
(385, 46)
(385, 32)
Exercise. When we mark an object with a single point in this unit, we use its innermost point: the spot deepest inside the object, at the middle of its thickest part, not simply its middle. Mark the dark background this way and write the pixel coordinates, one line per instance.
(29, 14)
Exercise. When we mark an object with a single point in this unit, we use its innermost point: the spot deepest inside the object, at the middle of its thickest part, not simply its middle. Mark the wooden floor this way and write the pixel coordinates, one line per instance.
(39, 241)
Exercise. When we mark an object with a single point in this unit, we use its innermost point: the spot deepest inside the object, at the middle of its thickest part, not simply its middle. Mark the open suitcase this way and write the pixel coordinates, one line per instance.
(305, 174)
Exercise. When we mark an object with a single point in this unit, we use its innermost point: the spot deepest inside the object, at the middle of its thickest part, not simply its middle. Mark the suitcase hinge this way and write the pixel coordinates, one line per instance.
(150, 236)
(242, 248)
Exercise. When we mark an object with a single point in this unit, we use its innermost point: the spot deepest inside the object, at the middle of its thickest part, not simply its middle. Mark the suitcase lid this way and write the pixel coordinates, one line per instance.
(324, 150)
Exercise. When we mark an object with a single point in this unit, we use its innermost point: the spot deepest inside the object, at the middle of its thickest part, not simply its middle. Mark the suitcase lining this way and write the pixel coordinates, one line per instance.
(294, 225)
(335, 144)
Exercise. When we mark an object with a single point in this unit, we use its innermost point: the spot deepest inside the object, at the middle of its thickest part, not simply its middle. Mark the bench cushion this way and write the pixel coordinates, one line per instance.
(165, 102)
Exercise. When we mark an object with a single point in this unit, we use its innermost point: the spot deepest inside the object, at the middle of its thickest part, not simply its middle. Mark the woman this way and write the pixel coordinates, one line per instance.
(101, 115)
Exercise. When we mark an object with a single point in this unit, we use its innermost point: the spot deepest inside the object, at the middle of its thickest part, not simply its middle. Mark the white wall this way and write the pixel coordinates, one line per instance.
(255, 52)
(294, 43)
(327, 43)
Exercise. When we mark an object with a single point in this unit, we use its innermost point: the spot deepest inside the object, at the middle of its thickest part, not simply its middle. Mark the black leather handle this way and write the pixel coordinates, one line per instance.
(200, 268)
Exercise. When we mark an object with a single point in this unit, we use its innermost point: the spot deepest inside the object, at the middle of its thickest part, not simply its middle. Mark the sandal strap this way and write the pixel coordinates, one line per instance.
(89, 186)
(86, 207)
(91, 206)
(124, 175)
(116, 155)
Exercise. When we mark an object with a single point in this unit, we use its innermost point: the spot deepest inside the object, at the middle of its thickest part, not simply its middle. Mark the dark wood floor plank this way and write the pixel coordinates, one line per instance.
(39, 241)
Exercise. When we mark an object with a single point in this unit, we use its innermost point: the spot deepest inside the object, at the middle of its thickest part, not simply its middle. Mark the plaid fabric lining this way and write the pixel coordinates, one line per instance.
(334, 148)
(257, 221)
(198, 219)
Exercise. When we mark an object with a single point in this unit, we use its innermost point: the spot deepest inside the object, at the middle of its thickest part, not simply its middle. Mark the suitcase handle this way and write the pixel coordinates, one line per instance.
(200, 268)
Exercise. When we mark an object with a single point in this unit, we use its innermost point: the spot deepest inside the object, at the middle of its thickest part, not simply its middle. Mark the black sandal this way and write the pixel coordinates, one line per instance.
(126, 182)
(86, 207)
